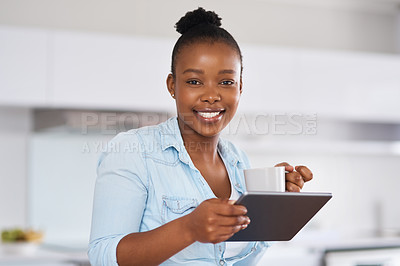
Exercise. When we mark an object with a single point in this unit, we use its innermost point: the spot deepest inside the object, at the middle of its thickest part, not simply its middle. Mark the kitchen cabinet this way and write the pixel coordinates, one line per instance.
(65, 69)
(350, 85)
(112, 72)
(268, 84)
(23, 66)
(341, 85)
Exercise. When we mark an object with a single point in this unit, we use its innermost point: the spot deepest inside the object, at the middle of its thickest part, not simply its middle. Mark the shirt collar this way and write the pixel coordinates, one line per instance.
(171, 137)
(226, 152)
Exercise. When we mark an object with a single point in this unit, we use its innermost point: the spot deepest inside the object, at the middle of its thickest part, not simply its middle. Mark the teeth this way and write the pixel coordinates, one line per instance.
(209, 114)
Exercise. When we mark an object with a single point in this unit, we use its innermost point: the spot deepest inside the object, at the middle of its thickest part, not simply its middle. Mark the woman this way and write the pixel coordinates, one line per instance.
(163, 197)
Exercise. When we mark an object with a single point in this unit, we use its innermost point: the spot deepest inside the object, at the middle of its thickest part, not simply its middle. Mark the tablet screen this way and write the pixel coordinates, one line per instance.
(278, 216)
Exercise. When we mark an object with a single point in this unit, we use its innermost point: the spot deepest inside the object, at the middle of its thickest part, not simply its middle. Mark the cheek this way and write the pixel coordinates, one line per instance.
(233, 99)
(185, 100)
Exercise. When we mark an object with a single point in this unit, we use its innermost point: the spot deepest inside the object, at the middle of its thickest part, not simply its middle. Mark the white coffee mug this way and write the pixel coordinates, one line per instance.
(267, 179)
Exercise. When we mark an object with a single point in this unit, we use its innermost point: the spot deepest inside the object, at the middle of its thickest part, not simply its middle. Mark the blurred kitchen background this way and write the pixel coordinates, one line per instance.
(321, 88)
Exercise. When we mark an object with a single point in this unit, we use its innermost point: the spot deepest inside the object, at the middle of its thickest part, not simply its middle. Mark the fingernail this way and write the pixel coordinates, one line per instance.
(244, 226)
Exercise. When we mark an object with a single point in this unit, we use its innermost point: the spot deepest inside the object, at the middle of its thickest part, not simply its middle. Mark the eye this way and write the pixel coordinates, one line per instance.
(227, 82)
(193, 82)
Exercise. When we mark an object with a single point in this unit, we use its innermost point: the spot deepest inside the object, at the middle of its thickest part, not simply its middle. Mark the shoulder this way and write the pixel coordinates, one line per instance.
(138, 140)
(133, 144)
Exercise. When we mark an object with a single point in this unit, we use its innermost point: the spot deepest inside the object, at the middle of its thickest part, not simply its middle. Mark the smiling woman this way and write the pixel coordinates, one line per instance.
(170, 201)
(207, 87)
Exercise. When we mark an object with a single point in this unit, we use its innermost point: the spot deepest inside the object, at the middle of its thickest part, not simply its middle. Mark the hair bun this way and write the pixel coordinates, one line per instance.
(197, 17)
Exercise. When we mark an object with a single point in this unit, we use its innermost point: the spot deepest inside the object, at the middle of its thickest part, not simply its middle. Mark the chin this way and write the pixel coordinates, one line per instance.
(210, 132)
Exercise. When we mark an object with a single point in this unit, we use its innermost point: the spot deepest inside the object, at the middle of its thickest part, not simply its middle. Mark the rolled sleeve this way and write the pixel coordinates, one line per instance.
(119, 199)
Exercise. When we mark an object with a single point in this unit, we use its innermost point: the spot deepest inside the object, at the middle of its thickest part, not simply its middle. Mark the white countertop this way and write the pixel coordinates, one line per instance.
(306, 250)
(44, 256)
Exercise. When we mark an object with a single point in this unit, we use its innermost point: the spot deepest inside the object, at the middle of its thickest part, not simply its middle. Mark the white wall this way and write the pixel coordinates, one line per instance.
(62, 174)
(367, 25)
(14, 138)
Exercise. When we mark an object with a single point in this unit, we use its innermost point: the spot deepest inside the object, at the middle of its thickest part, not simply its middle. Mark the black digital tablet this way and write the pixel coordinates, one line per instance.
(278, 216)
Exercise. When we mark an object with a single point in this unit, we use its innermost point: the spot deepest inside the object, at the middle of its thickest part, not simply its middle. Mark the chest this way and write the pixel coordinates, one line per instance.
(217, 178)
(176, 188)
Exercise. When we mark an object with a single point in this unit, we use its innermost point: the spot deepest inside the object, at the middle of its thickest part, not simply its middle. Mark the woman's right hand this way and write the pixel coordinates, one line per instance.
(216, 220)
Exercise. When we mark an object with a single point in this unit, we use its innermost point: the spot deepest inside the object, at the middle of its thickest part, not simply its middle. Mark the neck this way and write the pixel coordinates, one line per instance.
(198, 146)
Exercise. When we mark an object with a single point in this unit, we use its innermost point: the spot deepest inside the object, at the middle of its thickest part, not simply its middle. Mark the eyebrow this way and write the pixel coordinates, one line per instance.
(199, 71)
(227, 71)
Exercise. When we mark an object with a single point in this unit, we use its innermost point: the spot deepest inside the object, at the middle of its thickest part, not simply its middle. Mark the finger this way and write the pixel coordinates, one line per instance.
(231, 202)
(295, 178)
(288, 167)
(228, 231)
(290, 187)
(222, 238)
(227, 209)
(232, 220)
(305, 172)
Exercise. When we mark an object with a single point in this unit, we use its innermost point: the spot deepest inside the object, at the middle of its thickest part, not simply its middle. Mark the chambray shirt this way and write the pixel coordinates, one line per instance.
(146, 179)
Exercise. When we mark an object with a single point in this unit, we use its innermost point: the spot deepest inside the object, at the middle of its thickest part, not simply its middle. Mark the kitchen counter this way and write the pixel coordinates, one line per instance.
(45, 256)
(303, 251)
(311, 250)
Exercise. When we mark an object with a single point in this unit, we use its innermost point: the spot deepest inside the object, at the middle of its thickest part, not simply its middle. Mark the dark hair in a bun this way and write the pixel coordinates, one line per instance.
(201, 26)
(197, 17)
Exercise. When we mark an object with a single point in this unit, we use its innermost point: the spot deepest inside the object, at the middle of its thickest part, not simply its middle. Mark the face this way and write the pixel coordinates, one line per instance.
(206, 87)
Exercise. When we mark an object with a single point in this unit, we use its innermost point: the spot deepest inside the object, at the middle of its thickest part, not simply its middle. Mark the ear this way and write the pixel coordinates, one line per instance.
(240, 85)
(171, 85)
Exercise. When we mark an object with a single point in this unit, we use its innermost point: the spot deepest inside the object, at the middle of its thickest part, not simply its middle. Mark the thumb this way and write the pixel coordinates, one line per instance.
(288, 167)
(231, 202)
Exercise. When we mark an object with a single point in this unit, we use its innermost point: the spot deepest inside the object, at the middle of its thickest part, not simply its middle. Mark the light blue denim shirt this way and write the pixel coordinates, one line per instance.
(146, 179)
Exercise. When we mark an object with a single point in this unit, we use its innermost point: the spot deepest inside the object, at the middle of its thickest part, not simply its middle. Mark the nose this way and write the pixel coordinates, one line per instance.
(211, 94)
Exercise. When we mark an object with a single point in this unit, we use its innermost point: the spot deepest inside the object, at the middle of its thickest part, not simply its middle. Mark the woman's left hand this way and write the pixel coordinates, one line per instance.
(296, 176)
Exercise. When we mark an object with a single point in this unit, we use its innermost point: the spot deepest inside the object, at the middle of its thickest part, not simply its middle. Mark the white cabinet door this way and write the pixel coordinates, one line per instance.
(97, 71)
(350, 85)
(23, 66)
(268, 85)
(340, 85)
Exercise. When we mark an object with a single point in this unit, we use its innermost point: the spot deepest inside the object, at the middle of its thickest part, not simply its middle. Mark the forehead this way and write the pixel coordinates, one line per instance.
(208, 55)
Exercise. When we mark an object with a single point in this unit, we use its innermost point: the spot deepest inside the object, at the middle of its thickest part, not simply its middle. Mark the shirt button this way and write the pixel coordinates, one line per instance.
(253, 249)
(221, 262)
(220, 249)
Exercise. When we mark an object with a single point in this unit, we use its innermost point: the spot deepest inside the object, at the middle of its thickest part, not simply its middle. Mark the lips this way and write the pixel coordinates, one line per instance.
(210, 115)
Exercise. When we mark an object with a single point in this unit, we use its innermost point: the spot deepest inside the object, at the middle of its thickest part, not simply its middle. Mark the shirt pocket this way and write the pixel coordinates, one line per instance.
(176, 207)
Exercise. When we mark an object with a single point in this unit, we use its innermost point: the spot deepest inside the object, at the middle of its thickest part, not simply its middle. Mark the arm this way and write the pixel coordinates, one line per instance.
(213, 221)
(155, 246)
(119, 203)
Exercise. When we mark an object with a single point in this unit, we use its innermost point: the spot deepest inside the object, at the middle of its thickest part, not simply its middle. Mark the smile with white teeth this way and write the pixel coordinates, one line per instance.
(208, 114)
